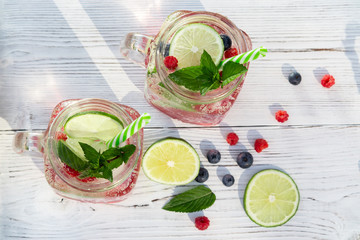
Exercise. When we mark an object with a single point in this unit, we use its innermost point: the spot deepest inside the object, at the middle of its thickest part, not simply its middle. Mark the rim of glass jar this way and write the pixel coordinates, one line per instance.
(168, 31)
(99, 184)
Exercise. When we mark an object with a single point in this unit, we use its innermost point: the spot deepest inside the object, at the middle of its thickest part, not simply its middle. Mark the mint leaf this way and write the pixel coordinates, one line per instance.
(127, 151)
(186, 77)
(107, 173)
(102, 172)
(201, 78)
(110, 153)
(91, 154)
(193, 200)
(70, 158)
(215, 85)
(208, 66)
(117, 155)
(231, 71)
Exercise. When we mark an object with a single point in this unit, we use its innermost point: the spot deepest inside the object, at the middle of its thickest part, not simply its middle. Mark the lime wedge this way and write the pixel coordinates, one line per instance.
(93, 124)
(271, 198)
(171, 161)
(75, 147)
(190, 42)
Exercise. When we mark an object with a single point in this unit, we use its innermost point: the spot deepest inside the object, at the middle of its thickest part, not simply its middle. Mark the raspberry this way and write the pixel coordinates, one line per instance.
(231, 52)
(232, 138)
(281, 116)
(71, 171)
(202, 223)
(60, 136)
(327, 81)
(74, 173)
(260, 144)
(88, 179)
(171, 62)
(220, 74)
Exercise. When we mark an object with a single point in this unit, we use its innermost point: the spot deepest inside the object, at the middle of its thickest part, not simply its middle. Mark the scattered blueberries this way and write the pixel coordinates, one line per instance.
(202, 176)
(228, 180)
(167, 49)
(294, 78)
(227, 41)
(244, 159)
(213, 156)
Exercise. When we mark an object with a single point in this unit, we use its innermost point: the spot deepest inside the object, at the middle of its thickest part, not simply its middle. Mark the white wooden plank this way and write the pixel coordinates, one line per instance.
(322, 160)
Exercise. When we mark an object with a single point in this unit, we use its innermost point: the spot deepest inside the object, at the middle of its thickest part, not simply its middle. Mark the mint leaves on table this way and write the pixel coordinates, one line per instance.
(193, 200)
(97, 164)
(206, 77)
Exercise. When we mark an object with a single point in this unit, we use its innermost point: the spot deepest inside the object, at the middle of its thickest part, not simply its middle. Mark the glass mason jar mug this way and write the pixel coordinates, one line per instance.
(63, 179)
(164, 94)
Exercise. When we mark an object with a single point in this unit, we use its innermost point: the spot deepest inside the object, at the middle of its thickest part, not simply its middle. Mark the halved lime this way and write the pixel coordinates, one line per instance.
(190, 42)
(271, 198)
(171, 161)
(93, 124)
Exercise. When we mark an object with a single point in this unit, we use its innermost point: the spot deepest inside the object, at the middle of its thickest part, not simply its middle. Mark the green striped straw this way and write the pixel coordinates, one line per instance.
(130, 130)
(245, 57)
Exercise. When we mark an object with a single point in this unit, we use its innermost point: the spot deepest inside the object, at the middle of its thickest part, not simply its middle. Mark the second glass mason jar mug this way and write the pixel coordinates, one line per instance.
(170, 98)
(62, 178)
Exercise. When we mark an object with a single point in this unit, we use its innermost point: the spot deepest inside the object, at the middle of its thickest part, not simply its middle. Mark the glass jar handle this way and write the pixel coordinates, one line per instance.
(29, 143)
(135, 47)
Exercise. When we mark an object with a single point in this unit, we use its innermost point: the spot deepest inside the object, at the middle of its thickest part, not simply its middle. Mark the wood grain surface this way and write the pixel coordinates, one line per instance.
(61, 49)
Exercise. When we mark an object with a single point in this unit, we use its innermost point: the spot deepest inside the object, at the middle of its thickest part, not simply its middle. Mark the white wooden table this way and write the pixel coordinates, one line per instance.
(60, 49)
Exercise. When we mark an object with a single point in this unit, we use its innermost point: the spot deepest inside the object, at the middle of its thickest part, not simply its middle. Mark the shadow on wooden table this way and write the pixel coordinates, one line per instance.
(352, 31)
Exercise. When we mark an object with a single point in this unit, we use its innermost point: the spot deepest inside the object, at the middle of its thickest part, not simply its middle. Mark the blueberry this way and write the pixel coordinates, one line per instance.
(213, 156)
(244, 160)
(228, 180)
(227, 41)
(294, 78)
(202, 176)
(167, 49)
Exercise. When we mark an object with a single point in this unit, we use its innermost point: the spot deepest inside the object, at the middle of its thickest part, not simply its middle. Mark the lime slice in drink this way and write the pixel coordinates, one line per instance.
(171, 161)
(75, 147)
(190, 42)
(271, 198)
(94, 125)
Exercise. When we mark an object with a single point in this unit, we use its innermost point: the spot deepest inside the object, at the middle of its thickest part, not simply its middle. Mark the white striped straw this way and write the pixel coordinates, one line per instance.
(130, 130)
(245, 57)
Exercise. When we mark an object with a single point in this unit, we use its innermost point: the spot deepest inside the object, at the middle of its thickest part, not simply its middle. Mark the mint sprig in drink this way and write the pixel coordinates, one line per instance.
(203, 94)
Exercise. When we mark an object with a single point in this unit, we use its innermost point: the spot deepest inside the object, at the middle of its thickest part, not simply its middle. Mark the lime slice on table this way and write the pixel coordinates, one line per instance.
(190, 42)
(171, 161)
(94, 125)
(271, 198)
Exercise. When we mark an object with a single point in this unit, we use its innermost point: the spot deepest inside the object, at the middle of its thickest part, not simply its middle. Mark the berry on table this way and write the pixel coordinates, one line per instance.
(213, 156)
(231, 53)
(244, 160)
(227, 41)
(260, 144)
(327, 81)
(294, 78)
(202, 223)
(232, 138)
(228, 180)
(281, 116)
(171, 62)
(202, 176)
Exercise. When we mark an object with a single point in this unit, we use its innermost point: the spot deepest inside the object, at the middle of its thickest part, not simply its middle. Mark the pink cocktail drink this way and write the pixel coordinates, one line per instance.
(66, 181)
(172, 99)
